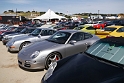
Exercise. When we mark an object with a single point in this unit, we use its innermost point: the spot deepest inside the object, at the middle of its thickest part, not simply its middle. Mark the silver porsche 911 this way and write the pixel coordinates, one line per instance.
(40, 55)
(17, 43)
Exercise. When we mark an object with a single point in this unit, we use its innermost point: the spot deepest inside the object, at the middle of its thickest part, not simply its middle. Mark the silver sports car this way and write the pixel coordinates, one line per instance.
(17, 43)
(42, 54)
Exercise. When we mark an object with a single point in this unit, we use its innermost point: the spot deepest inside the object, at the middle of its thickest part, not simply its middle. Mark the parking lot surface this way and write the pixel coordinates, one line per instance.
(10, 72)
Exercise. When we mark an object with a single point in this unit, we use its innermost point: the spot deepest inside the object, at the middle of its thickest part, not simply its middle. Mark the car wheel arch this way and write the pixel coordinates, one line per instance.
(20, 47)
(46, 59)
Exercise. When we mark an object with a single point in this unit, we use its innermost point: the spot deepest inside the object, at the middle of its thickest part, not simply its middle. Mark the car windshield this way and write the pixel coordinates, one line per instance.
(18, 29)
(120, 29)
(107, 51)
(79, 28)
(109, 29)
(29, 30)
(59, 37)
(26, 30)
(23, 31)
(10, 28)
(36, 32)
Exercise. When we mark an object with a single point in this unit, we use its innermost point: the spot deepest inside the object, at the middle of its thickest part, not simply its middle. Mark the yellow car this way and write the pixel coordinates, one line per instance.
(86, 28)
(110, 31)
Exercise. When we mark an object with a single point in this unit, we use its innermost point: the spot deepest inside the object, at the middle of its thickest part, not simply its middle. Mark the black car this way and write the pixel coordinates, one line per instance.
(118, 22)
(103, 62)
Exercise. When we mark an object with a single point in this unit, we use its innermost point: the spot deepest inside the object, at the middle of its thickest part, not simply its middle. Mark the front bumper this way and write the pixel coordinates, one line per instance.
(4, 41)
(12, 49)
(31, 64)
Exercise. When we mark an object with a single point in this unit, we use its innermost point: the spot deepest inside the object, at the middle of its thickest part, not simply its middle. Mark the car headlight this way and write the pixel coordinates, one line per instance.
(50, 70)
(35, 54)
(5, 36)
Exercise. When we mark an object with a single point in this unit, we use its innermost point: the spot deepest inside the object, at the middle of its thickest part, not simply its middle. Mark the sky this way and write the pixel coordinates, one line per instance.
(64, 6)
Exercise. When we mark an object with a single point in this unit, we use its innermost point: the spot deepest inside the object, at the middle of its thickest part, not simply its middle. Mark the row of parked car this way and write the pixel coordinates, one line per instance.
(108, 31)
(71, 56)
(43, 46)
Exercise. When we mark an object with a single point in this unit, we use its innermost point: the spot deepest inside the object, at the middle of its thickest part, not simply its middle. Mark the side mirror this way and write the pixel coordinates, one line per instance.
(39, 36)
(72, 41)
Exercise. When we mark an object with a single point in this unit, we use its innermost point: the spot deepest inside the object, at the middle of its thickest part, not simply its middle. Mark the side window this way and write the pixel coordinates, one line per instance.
(78, 36)
(120, 29)
(44, 32)
(90, 28)
(36, 31)
(50, 32)
(87, 36)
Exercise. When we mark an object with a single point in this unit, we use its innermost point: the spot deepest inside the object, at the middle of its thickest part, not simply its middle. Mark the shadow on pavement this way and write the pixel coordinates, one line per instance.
(31, 70)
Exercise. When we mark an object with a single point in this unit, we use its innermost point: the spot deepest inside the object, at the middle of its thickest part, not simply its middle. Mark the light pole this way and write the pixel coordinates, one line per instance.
(98, 14)
(16, 11)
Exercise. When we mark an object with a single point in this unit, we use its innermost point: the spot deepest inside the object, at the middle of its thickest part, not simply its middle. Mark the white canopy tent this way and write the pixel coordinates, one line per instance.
(49, 15)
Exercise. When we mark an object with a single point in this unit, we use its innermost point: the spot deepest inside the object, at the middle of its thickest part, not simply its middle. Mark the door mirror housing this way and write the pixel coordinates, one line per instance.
(72, 41)
(39, 36)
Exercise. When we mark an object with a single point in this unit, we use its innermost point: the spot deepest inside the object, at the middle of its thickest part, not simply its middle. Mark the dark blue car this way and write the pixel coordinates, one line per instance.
(103, 62)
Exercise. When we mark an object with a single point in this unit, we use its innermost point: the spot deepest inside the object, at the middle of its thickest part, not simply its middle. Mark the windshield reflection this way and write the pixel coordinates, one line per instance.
(59, 37)
(36, 32)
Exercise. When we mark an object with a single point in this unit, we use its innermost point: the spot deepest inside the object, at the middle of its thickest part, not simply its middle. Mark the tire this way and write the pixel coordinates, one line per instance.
(52, 57)
(88, 46)
(101, 27)
(24, 44)
(4, 43)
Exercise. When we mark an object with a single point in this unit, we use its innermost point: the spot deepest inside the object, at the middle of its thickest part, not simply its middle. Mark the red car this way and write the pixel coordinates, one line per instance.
(99, 25)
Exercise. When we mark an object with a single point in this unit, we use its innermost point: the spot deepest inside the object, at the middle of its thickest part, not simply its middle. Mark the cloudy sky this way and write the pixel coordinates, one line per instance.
(64, 6)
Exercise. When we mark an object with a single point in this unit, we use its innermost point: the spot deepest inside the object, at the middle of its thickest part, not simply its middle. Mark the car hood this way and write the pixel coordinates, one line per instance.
(38, 46)
(11, 35)
(14, 34)
(82, 68)
(22, 37)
